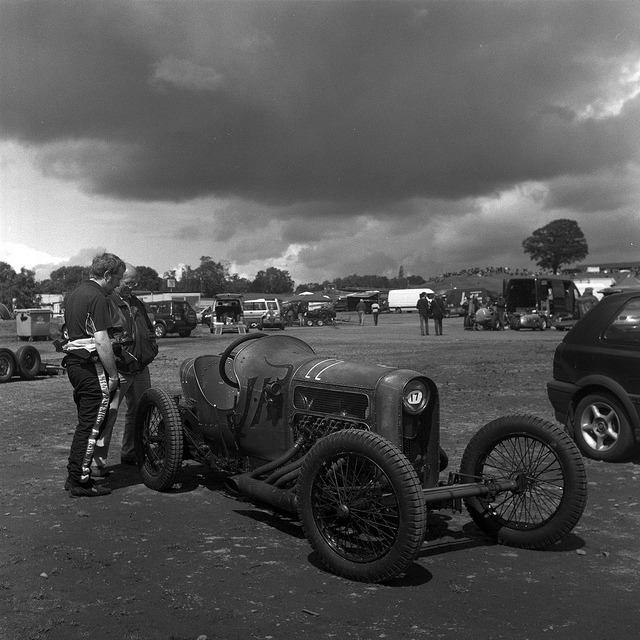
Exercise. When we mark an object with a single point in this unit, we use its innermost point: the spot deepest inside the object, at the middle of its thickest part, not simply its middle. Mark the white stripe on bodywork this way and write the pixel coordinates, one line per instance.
(318, 364)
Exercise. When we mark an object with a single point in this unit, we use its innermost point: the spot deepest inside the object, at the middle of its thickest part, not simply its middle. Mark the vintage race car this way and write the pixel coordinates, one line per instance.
(353, 449)
(529, 320)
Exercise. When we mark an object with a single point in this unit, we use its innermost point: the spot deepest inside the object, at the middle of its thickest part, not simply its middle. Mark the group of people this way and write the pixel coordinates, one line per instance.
(430, 306)
(361, 310)
(111, 343)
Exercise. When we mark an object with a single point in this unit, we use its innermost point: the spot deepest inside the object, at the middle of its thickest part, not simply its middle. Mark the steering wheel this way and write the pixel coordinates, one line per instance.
(226, 354)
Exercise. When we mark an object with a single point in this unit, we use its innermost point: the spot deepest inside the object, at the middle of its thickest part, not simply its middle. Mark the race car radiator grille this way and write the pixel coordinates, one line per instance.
(331, 403)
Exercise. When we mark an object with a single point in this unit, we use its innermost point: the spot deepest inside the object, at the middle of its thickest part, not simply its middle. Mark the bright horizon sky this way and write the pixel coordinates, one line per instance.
(324, 138)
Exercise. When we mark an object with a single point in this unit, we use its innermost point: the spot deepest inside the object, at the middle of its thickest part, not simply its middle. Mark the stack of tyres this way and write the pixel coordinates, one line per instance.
(26, 363)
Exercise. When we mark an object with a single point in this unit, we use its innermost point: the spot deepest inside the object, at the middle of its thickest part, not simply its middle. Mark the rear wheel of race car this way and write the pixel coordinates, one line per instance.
(29, 361)
(361, 506)
(8, 365)
(549, 469)
(158, 440)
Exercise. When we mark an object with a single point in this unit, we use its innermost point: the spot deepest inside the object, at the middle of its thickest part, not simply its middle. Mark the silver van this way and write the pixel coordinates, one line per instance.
(263, 314)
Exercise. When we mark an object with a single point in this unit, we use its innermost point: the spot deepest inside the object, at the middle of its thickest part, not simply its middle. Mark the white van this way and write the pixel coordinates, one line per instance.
(405, 299)
(263, 314)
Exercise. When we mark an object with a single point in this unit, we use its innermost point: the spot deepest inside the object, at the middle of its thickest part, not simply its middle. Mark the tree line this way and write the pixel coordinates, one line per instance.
(558, 243)
(21, 290)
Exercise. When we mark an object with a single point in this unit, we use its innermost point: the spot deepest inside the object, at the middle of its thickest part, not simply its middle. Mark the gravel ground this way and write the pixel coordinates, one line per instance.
(143, 565)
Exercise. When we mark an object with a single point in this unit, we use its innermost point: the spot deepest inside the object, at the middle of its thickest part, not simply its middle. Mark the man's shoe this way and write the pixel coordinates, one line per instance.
(88, 490)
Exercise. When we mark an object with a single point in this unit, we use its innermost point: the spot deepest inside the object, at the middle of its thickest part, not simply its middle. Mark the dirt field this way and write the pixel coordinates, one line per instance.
(143, 565)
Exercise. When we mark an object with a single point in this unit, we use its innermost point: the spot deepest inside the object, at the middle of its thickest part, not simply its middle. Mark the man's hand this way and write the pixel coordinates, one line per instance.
(105, 353)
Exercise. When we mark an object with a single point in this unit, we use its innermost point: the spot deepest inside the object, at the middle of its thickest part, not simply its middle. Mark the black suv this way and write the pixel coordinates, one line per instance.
(173, 316)
(595, 389)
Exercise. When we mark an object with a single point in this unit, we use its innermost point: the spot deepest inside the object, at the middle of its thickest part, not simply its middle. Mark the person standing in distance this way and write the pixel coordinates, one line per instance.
(91, 368)
(586, 302)
(136, 348)
(375, 310)
(423, 312)
(437, 310)
(361, 308)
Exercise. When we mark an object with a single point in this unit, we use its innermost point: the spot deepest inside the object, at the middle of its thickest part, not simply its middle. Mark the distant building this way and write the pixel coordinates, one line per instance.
(610, 267)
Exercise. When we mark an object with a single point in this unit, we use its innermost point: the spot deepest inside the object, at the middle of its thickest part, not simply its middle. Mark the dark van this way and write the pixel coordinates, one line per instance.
(538, 302)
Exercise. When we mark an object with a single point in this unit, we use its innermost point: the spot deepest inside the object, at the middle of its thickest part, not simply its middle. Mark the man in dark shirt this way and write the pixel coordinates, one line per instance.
(423, 311)
(91, 367)
(437, 312)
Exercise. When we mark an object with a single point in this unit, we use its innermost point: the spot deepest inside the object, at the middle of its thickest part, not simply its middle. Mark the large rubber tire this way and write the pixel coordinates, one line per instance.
(160, 330)
(8, 365)
(361, 506)
(309, 323)
(29, 361)
(158, 439)
(546, 462)
(601, 428)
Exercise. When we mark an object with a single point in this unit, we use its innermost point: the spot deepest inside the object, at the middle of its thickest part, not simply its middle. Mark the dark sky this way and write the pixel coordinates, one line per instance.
(322, 137)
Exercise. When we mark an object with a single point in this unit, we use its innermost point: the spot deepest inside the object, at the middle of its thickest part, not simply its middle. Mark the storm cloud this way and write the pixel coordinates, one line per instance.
(363, 117)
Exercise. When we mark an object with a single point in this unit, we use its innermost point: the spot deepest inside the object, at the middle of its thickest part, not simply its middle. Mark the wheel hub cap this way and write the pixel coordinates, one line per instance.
(343, 511)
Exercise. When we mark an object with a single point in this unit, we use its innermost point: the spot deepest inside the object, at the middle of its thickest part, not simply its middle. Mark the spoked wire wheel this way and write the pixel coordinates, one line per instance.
(158, 439)
(361, 506)
(550, 477)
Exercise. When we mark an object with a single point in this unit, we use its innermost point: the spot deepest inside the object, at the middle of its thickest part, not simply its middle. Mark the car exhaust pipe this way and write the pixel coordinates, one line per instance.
(274, 464)
(262, 492)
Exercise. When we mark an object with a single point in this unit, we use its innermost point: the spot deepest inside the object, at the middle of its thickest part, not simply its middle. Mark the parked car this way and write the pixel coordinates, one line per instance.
(319, 316)
(595, 389)
(263, 314)
(353, 450)
(200, 311)
(226, 313)
(173, 316)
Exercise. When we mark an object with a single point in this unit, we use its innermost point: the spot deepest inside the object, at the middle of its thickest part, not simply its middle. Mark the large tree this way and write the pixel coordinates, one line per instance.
(272, 280)
(211, 276)
(558, 243)
(148, 279)
(64, 279)
(19, 287)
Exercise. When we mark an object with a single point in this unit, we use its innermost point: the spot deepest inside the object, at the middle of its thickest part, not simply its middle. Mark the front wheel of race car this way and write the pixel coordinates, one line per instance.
(361, 506)
(550, 473)
(158, 440)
